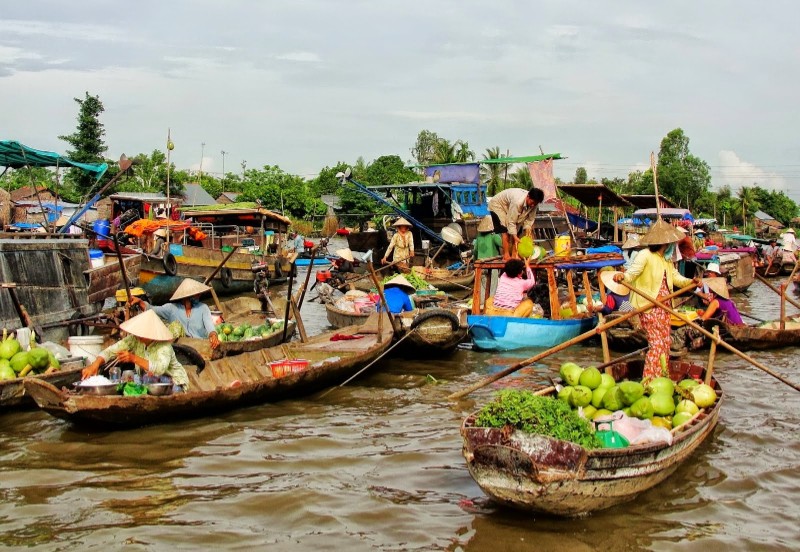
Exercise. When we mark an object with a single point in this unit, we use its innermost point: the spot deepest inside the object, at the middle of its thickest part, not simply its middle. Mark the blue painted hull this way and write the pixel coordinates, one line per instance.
(503, 333)
(319, 261)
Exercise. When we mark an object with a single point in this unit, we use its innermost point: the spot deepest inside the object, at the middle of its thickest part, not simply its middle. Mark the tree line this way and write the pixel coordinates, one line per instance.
(682, 177)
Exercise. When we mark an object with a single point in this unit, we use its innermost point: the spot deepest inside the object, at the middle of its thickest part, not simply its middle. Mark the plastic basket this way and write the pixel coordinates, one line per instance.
(281, 368)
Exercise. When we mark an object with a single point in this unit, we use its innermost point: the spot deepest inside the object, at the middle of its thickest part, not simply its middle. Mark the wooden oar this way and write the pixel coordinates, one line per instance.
(288, 303)
(776, 290)
(124, 278)
(308, 277)
(708, 334)
(586, 335)
(367, 275)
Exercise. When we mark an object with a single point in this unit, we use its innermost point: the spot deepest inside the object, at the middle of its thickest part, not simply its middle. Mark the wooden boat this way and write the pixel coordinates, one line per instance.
(504, 333)
(541, 474)
(441, 279)
(227, 383)
(12, 392)
(760, 337)
(737, 265)
(105, 280)
(769, 269)
(377, 241)
(318, 261)
(339, 318)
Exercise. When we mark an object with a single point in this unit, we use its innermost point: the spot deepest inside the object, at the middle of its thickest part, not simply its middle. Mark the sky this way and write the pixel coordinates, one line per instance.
(304, 84)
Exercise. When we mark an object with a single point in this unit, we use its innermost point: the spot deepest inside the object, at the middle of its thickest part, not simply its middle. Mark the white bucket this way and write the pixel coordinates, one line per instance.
(426, 244)
(88, 346)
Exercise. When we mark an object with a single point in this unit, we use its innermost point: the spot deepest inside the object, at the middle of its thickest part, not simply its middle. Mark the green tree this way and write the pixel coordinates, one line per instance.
(580, 175)
(776, 203)
(278, 190)
(746, 203)
(326, 181)
(444, 152)
(424, 147)
(28, 176)
(491, 173)
(389, 169)
(463, 154)
(521, 178)
(682, 177)
(87, 142)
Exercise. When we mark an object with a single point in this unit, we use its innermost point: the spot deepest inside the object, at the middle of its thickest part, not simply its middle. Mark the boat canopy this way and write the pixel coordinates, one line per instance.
(16, 156)
(594, 195)
(668, 212)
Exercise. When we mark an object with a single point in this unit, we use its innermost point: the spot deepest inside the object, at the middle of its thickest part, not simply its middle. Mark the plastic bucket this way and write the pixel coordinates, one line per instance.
(102, 227)
(96, 258)
(561, 246)
(86, 346)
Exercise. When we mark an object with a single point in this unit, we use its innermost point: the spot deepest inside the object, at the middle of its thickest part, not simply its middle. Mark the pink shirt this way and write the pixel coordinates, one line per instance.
(511, 291)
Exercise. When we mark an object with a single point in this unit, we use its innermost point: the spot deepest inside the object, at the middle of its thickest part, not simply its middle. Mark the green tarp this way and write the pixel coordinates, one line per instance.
(16, 156)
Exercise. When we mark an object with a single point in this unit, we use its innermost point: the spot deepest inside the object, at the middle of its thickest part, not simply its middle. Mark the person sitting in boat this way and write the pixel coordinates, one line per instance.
(720, 306)
(630, 248)
(487, 244)
(699, 239)
(398, 293)
(617, 295)
(789, 241)
(510, 297)
(148, 346)
(344, 264)
(295, 242)
(771, 252)
(513, 213)
(402, 244)
(185, 313)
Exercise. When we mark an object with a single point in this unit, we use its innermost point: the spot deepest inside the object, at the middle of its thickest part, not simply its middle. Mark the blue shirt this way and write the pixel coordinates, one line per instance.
(398, 300)
(199, 324)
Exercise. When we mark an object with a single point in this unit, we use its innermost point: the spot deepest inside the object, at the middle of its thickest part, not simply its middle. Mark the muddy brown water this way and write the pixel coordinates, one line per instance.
(377, 465)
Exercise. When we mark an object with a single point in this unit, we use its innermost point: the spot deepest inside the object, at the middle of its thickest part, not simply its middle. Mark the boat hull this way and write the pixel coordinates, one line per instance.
(105, 280)
(504, 333)
(14, 397)
(536, 473)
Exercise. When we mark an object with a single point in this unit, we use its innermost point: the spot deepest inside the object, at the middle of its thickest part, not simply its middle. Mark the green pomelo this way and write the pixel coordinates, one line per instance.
(681, 418)
(591, 378)
(642, 408)
(704, 395)
(571, 373)
(632, 391)
(627, 411)
(6, 371)
(686, 406)
(38, 358)
(688, 384)
(564, 394)
(597, 396)
(660, 386)
(663, 405)
(53, 361)
(612, 400)
(581, 396)
(525, 247)
(589, 412)
(19, 361)
(9, 348)
(607, 381)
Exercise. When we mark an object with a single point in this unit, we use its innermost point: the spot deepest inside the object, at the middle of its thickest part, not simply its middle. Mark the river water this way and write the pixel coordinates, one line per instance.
(377, 465)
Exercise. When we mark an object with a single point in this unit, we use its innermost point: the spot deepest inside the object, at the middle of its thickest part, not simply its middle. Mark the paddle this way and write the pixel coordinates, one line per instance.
(124, 277)
(586, 335)
(776, 290)
(708, 334)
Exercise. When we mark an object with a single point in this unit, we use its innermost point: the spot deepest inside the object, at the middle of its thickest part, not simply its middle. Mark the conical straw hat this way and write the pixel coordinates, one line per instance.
(608, 281)
(661, 233)
(402, 222)
(718, 286)
(148, 326)
(632, 241)
(400, 281)
(189, 288)
(345, 254)
(486, 224)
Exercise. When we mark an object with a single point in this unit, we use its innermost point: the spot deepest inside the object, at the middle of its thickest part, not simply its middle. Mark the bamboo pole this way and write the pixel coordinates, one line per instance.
(585, 335)
(308, 277)
(708, 334)
(783, 306)
(603, 339)
(378, 286)
(712, 355)
(776, 290)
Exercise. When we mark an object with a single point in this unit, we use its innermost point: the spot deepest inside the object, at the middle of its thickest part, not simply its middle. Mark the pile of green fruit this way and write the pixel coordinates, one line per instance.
(229, 332)
(16, 363)
(660, 400)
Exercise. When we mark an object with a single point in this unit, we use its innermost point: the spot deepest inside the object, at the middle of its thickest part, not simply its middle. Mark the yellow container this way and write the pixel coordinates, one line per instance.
(562, 246)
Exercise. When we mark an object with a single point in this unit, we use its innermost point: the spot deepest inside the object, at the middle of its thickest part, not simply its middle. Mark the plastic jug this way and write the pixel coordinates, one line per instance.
(609, 437)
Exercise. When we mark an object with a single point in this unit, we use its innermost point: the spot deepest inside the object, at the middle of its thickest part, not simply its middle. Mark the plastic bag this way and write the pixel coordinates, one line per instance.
(58, 351)
(639, 432)
(133, 389)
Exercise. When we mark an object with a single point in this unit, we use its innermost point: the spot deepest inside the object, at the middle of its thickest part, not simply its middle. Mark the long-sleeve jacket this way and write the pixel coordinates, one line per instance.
(646, 273)
(514, 214)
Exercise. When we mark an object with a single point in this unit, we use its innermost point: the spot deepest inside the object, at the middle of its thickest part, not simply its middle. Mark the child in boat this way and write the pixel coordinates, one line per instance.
(487, 244)
(148, 346)
(398, 293)
(720, 305)
(617, 295)
(510, 297)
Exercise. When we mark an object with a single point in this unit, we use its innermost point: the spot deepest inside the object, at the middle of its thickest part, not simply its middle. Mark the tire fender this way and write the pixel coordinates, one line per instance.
(428, 314)
(170, 264)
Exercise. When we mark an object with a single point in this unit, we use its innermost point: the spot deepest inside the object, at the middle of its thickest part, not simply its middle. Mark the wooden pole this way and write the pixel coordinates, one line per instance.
(227, 257)
(708, 334)
(712, 355)
(288, 302)
(476, 289)
(585, 335)
(379, 287)
(300, 326)
(124, 277)
(573, 303)
(603, 338)
(308, 277)
(783, 306)
(776, 290)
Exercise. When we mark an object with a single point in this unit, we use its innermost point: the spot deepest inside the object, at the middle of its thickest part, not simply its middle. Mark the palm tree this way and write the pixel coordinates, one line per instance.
(490, 173)
(746, 202)
(444, 152)
(521, 178)
(463, 153)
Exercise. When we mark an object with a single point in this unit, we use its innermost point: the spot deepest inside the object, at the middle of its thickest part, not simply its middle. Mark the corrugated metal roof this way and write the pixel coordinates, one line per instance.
(194, 194)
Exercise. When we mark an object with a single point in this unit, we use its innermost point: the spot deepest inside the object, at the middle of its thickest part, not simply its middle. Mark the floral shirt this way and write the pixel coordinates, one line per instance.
(159, 354)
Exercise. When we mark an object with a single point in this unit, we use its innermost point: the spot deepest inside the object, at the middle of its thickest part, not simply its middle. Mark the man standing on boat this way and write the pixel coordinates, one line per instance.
(514, 210)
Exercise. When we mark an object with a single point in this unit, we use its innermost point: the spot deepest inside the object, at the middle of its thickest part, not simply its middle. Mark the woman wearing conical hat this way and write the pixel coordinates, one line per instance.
(187, 311)
(654, 273)
(719, 302)
(398, 293)
(402, 244)
(148, 345)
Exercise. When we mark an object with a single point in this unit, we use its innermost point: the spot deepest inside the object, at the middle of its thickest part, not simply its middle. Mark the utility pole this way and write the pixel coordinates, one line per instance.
(224, 153)
(244, 167)
(202, 154)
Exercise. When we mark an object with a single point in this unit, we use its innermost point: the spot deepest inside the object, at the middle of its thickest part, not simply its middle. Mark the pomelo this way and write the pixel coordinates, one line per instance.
(658, 421)
(597, 396)
(663, 405)
(612, 400)
(688, 384)
(8, 348)
(704, 395)
(642, 408)
(564, 394)
(6, 371)
(581, 396)
(660, 385)
(632, 391)
(681, 418)
(686, 406)
(607, 380)
(591, 378)
(571, 373)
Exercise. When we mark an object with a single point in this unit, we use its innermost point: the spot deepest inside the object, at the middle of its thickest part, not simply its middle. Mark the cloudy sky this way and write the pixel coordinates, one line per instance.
(307, 83)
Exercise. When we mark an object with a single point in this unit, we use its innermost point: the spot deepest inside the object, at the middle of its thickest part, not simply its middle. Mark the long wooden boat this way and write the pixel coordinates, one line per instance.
(759, 337)
(737, 265)
(541, 474)
(339, 318)
(504, 333)
(454, 282)
(12, 392)
(227, 383)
